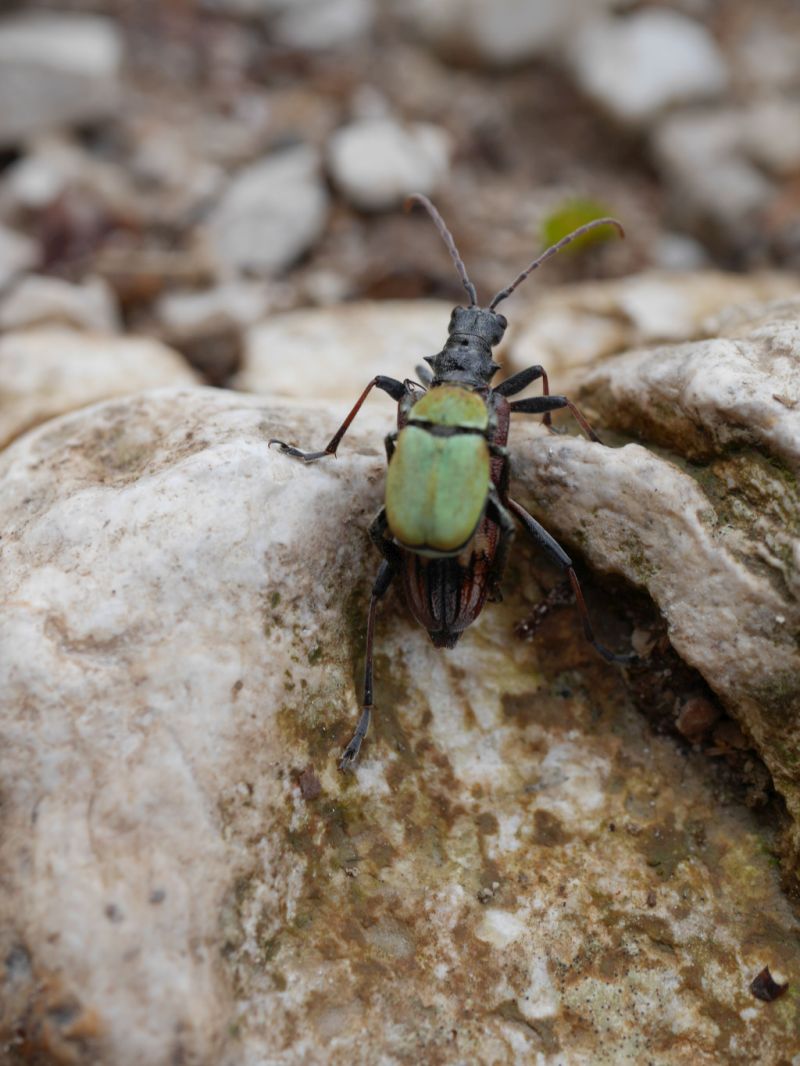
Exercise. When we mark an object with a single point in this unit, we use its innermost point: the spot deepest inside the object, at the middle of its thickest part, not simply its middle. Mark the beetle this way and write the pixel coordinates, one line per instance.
(448, 522)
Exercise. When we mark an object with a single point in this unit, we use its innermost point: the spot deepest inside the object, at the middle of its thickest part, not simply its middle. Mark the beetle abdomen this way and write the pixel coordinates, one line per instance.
(436, 488)
(446, 595)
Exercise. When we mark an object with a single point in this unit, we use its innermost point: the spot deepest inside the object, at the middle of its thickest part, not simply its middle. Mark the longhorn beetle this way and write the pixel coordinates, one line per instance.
(448, 521)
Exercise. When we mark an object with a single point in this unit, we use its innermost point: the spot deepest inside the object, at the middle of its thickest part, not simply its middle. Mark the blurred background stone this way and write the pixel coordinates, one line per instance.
(503, 33)
(339, 349)
(635, 67)
(17, 254)
(38, 300)
(270, 214)
(377, 163)
(46, 372)
(56, 68)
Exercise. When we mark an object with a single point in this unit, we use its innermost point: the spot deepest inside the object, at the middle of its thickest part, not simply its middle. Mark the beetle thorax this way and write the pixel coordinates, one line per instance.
(467, 355)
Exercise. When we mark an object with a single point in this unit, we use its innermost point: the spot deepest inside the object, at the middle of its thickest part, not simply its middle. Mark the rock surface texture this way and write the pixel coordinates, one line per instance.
(518, 871)
(725, 410)
(569, 328)
(49, 371)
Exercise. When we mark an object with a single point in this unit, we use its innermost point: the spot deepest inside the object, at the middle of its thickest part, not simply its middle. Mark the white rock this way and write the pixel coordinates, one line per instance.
(721, 393)
(17, 254)
(56, 69)
(570, 328)
(764, 53)
(40, 177)
(186, 876)
(708, 174)
(56, 164)
(39, 300)
(679, 252)
(322, 24)
(771, 135)
(177, 177)
(377, 163)
(718, 588)
(728, 408)
(635, 67)
(498, 32)
(46, 372)
(237, 304)
(333, 352)
(272, 212)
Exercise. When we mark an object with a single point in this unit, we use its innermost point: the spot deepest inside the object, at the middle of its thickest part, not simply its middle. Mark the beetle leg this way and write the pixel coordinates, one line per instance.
(557, 553)
(385, 545)
(396, 389)
(382, 582)
(507, 533)
(517, 382)
(537, 405)
(389, 442)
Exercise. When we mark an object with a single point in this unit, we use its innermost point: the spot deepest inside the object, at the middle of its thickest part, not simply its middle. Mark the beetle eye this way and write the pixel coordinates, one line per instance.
(502, 320)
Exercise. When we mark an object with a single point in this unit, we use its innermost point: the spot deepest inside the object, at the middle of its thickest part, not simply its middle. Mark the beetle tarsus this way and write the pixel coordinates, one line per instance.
(395, 389)
(351, 752)
(296, 453)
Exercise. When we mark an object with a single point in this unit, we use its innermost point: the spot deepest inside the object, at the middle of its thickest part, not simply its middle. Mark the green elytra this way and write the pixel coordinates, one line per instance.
(437, 485)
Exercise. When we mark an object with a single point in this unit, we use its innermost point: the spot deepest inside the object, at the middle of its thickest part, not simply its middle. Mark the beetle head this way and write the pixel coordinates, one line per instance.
(474, 330)
(467, 354)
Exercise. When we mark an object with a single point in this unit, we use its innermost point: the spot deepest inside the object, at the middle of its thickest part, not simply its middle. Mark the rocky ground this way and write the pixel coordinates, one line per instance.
(541, 857)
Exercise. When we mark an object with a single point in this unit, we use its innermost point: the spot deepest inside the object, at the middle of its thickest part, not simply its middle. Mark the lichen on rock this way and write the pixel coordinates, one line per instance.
(707, 520)
(519, 869)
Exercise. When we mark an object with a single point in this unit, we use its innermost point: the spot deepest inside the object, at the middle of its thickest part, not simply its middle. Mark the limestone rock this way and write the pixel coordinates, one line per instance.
(518, 869)
(714, 540)
(570, 328)
(333, 352)
(39, 300)
(635, 67)
(46, 372)
(378, 162)
(56, 68)
(271, 213)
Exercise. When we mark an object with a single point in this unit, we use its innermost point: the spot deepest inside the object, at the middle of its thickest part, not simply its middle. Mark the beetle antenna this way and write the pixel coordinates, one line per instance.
(553, 250)
(447, 237)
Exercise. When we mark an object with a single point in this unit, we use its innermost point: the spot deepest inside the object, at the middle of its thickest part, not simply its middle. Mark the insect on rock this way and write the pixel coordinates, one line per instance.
(448, 521)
